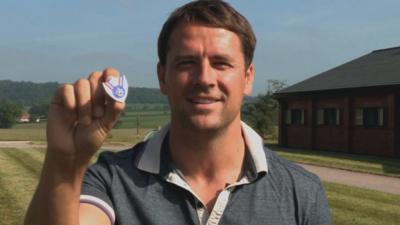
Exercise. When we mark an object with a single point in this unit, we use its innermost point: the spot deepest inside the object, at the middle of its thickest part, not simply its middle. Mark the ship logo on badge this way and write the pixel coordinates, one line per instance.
(117, 88)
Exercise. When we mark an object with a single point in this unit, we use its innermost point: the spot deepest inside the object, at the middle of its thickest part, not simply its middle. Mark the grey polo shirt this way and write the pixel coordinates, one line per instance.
(142, 186)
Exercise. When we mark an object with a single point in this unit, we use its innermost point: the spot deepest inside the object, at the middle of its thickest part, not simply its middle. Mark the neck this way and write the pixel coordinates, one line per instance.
(208, 155)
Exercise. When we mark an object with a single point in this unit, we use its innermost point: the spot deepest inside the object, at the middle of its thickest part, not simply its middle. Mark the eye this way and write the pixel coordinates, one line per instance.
(222, 65)
(186, 63)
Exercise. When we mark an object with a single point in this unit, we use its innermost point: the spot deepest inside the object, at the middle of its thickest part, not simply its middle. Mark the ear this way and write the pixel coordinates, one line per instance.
(249, 78)
(161, 78)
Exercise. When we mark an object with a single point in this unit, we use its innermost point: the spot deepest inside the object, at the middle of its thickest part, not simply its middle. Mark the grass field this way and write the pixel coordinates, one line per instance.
(357, 206)
(19, 172)
(20, 169)
(27, 134)
(370, 164)
(361, 163)
(144, 120)
(37, 133)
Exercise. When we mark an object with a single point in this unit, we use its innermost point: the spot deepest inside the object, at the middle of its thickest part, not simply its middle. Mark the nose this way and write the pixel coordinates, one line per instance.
(206, 75)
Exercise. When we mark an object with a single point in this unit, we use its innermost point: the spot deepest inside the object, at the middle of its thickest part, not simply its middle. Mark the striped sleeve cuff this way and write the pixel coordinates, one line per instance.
(104, 206)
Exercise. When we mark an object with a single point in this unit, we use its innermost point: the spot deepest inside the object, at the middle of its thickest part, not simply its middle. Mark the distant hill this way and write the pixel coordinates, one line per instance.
(27, 93)
(30, 93)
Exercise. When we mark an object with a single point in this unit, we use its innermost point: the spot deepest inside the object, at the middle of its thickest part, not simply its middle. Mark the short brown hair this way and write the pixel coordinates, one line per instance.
(215, 13)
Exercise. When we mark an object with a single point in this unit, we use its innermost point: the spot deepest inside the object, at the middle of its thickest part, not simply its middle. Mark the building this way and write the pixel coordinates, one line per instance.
(353, 108)
(24, 118)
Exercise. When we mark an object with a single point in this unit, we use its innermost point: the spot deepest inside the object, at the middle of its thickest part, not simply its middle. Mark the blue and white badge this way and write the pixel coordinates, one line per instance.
(117, 88)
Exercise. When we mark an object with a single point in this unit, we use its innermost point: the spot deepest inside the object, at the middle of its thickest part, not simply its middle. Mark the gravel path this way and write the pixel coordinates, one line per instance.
(20, 144)
(363, 180)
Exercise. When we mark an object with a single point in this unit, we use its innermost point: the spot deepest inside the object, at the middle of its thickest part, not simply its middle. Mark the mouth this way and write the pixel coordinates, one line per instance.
(202, 101)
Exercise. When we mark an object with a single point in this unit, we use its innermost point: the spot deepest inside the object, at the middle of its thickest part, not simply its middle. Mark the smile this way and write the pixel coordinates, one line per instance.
(203, 100)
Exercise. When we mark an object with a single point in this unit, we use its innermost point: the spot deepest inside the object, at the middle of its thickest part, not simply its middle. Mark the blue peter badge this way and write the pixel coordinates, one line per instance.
(117, 88)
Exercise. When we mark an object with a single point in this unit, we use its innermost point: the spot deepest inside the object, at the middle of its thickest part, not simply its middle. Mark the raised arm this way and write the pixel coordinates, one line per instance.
(80, 117)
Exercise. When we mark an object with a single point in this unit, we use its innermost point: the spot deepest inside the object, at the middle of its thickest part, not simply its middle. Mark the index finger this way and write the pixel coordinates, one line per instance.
(97, 93)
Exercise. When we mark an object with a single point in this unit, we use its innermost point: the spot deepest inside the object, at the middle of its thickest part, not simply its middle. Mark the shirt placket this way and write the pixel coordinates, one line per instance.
(222, 201)
(215, 216)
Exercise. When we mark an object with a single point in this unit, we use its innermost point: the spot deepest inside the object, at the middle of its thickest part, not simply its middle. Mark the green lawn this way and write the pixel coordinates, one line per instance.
(361, 163)
(127, 136)
(24, 132)
(19, 172)
(20, 169)
(132, 126)
(147, 120)
(356, 206)
(38, 134)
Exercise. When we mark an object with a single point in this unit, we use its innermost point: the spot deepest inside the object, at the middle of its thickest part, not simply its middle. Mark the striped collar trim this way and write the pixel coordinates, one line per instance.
(151, 156)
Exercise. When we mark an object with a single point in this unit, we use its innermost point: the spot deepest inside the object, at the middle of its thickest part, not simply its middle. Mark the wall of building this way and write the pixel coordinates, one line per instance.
(300, 135)
(375, 140)
(345, 137)
(330, 137)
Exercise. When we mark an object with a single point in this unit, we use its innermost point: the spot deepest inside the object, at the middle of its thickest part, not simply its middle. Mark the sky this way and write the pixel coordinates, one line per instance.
(47, 40)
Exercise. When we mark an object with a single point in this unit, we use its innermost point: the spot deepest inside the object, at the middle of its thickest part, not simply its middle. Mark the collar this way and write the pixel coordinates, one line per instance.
(150, 159)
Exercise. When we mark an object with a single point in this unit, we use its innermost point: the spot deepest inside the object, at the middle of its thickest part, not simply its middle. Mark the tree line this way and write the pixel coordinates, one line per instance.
(17, 97)
(261, 112)
(30, 93)
(9, 111)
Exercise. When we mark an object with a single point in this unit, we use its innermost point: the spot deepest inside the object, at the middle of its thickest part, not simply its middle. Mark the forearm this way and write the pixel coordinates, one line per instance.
(56, 201)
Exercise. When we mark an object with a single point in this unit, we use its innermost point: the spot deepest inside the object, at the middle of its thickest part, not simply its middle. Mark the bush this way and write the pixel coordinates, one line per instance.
(9, 112)
(262, 113)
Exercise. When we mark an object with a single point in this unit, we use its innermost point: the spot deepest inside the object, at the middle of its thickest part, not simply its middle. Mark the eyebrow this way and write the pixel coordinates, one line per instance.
(184, 56)
(223, 57)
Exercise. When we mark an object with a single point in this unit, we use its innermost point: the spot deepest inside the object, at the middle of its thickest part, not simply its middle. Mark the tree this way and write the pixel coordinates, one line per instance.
(39, 110)
(262, 113)
(9, 112)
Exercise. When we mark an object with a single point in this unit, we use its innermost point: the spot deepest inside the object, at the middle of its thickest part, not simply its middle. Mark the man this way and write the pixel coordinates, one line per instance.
(206, 167)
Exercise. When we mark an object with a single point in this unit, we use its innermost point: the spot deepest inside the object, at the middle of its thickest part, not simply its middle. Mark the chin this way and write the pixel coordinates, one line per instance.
(211, 124)
(204, 123)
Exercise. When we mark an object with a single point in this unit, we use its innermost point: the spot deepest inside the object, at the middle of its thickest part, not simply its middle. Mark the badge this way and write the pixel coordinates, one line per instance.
(117, 88)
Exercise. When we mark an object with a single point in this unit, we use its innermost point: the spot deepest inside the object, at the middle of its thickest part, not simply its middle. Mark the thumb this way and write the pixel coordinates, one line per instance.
(113, 108)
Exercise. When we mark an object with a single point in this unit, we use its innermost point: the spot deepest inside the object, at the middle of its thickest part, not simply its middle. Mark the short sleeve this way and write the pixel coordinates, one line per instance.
(320, 213)
(96, 186)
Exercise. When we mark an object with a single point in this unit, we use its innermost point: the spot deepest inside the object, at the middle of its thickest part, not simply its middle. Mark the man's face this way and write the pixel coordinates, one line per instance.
(205, 77)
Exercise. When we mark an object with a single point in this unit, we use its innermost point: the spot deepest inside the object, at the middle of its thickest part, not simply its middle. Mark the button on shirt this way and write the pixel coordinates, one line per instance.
(205, 218)
(142, 186)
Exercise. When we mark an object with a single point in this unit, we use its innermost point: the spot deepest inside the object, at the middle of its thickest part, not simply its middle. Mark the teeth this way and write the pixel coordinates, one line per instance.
(203, 101)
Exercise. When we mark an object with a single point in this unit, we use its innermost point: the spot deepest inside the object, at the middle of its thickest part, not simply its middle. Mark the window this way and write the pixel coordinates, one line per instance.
(288, 117)
(369, 117)
(359, 117)
(328, 116)
(294, 117)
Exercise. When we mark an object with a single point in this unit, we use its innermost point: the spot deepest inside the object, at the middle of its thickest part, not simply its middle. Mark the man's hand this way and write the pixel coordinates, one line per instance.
(80, 117)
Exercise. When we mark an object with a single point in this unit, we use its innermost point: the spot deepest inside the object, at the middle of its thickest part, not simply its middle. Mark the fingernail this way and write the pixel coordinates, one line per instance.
(98, 111)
